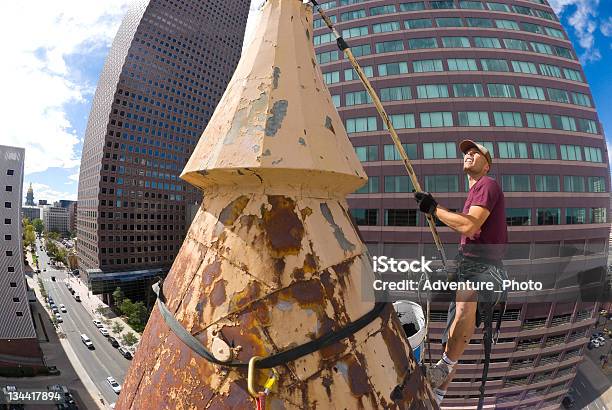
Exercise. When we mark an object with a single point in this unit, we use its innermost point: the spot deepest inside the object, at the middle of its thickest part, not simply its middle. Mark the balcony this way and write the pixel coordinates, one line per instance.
(530, 324)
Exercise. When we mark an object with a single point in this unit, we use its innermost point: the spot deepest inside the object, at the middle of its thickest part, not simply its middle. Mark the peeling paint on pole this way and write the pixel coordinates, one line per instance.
(272, 260)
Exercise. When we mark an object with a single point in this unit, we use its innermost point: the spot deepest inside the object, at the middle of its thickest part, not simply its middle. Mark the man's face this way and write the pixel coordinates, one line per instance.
(475, 163)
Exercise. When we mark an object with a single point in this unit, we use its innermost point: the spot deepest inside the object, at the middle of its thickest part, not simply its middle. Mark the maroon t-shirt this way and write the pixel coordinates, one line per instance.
(490, 241)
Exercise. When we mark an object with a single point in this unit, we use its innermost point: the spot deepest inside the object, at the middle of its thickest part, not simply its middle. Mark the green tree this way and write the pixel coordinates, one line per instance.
(117, 327)
(29, 237)
(53, 235)
(138, 318)
(39, 227)
(118, 296)
(127, 307)
(129, 339)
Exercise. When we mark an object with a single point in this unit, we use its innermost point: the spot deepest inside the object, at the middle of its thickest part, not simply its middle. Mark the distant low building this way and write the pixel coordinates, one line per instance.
(42, 202)
(31, 212)
(55, 218)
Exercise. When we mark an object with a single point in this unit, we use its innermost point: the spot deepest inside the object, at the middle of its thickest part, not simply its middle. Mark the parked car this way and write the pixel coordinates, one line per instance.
(114, 385)
(113, 341)
(55, 310)
(63, 308)
(103, 331)
(595, 343)
(58, 317)
(53, 370)
(87, 342)
(77, 298)
(126, 353)
(98, 323)
(601, 340)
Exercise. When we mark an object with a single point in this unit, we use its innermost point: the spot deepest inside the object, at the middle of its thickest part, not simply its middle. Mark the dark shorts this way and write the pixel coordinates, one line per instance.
(476, 271)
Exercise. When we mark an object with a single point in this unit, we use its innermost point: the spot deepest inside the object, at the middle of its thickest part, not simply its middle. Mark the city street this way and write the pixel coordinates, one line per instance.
(100, 363)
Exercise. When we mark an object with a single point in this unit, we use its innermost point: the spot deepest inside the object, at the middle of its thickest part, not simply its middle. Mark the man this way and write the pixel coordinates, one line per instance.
(482, 226)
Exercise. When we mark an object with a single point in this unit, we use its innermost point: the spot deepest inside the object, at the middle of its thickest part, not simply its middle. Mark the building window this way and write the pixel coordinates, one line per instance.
(395, 94)
(11, 269)
(550, 70)
(507, 24)
(498, 7)
(19, 313)
(449, 22)
(541, 48)
(7, 237)
(350, 74)
(596, 184)
(398, 183)
(563, 122)
(462, 64)
(439, 150)
(547, 183)
(355, 32)
(367, 153)
(357, 98)
(486, 42)
(516, 183)
(16, 300)
(588, 126)
(491, 64)
(8, 188)
(392, 154)
(370, 188)
(10, 172)
(418, 24)
(524, 67)
(468, 90)
(416, 6)
(518, 216)
(392, 69)
(387, 9)
(436, 119)
(441, 183)
(544, 151)
(548, 216)
(432, 91)
(455, 42)
(557, 95)
(537, 120)
(575, 216)
(332, 77)
(422, 43)
(598, 215)
(571, 153)
(401, 121)
(327, 57)
(501, 90)
(362, 124)
(386, 27)
(473, 119)
(443, 4)
(529, 92)
(424, 66)
(390, 46)
(7, 205)
(9, 253)
(323, 39)
(592, 154)
(400, 217)
(573, 183)
(335, 101)
(472, 5)
(512, 150)
(13, 284)
(365, 217)
(7, 221)
(516, 44)
(572, 75)
(581, 99)
(353, 15)
(361, 50)
(479, 22)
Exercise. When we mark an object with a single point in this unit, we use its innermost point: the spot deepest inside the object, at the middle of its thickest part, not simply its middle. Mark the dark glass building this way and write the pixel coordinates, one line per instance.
(167, 69)
(503, 73)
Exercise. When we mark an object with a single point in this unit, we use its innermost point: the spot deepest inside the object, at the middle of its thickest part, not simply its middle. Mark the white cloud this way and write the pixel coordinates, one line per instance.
(583, 20)
(74, 177)
(606, 27)
(39, 36)
(42, 191)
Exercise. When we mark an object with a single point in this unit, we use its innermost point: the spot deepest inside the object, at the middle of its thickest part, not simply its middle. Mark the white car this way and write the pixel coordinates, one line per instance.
(595, 343)
(601, 340)
(58, 317)
(103, 331)
(63, 308)
(114, 385)
(98, 323)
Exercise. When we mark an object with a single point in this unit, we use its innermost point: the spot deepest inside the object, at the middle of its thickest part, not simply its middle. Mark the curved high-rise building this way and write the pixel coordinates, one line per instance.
(167, 69)
(503, 73)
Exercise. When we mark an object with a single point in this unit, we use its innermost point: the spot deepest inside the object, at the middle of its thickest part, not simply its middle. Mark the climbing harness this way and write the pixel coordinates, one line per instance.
(271, 361)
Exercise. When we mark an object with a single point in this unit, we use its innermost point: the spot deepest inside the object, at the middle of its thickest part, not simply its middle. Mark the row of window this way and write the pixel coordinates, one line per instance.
(505, 150)
(454, 42)
(453, 64)
(437, 5)
(439, 119)
(509, 183)
(462, 90)
(441, 22)
(514, 216)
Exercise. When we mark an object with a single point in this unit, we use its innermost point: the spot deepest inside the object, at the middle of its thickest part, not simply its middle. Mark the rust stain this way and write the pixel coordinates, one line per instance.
(275, 77)
(305, 212)
(357, 378)
(307, 293)
(249, 294)
(344, 243)
(211, 272)
(283, 228)
(309, 266)
(218, 296)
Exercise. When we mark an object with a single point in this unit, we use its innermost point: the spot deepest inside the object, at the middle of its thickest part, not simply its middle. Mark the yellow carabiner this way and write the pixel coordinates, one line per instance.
(251, 376)
(270, 382)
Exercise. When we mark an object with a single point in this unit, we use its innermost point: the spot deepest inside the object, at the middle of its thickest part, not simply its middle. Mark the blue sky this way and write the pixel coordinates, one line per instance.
(53, 69)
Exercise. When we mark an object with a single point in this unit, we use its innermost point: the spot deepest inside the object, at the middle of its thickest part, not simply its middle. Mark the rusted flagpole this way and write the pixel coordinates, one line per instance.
(272, 261)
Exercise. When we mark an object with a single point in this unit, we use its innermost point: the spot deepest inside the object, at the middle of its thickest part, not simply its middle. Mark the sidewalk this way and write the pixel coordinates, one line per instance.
(92, 303)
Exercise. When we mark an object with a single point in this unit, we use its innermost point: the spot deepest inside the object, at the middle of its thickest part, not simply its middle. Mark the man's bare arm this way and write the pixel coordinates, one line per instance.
(466, 224)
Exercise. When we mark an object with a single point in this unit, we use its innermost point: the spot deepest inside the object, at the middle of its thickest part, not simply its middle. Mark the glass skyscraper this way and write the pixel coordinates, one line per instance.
(505, 74)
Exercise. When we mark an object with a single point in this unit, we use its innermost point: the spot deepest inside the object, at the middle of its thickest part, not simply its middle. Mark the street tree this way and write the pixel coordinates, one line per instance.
(39, 227)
